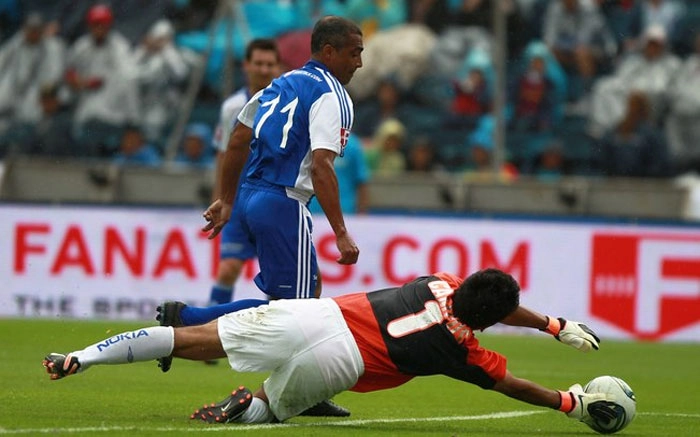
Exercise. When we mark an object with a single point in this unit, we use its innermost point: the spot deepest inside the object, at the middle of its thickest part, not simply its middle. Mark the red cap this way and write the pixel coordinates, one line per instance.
(100, 14)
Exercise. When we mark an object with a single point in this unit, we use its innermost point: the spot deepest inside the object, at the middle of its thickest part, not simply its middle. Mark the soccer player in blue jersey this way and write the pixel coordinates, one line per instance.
(293, 130)
(302, 123)
(261, 65)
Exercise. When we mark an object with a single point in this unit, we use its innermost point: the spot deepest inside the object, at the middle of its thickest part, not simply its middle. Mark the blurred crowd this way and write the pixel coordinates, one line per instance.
(594, 87)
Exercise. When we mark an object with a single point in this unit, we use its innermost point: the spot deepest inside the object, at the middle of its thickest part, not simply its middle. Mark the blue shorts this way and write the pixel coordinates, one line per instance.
(280, 228)
(235, 242)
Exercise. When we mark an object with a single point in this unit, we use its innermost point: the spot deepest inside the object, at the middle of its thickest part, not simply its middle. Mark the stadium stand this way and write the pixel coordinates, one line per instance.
(461, 35)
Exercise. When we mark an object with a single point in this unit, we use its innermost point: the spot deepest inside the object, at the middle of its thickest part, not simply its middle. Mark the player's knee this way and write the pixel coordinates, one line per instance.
(198, 342)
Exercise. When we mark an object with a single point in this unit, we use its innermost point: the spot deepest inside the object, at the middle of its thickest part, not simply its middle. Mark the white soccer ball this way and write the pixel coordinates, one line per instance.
(624, 405)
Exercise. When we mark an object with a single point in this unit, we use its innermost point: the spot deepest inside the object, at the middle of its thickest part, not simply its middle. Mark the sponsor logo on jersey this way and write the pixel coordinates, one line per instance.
(344, 136)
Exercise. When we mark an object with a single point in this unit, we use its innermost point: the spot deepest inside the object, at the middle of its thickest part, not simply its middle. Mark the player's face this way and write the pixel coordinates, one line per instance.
(99, 31)
(344, 61)
(261, 68)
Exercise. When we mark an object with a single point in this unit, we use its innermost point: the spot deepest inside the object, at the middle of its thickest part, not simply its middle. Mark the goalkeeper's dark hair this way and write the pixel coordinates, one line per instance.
(332, 30)
(485, 298)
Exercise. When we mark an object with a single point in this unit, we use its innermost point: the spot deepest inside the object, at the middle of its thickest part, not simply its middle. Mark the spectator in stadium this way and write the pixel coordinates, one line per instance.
(472, 95)
(353, 174)
(196, 149)
(473, 91)
(385, 156)
(161, 70)
(422, 157)
(666, 14)
(635, 147)
(100, 74)
(51, 134)
(345, 346)
(28, 61)
(383, 105)
(132, 18)
(578, 35)
(683, 122)
(65, 18)
(553, 71)
(536, 106)
(549, 165)
(261, 65)
(134, 150)
(480, 167)
(650, 71)
(533, 98)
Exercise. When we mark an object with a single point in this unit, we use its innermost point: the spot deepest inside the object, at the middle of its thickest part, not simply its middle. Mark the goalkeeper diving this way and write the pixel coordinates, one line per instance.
(363, 342)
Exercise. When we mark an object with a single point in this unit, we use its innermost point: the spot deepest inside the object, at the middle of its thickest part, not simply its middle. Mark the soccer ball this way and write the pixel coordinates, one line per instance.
(623, 408)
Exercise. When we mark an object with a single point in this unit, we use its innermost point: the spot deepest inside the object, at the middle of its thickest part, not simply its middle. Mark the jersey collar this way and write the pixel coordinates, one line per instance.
(312, 63)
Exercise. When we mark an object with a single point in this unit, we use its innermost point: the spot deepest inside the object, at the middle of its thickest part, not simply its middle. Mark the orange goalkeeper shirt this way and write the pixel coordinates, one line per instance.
(410, 331)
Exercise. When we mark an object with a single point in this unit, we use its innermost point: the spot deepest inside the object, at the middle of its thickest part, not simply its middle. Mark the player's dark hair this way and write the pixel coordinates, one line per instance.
(334, 31)
(485, 298)
(261, 44)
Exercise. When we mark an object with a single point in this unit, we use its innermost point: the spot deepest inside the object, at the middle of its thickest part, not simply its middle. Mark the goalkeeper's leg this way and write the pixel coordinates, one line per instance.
(144, 344)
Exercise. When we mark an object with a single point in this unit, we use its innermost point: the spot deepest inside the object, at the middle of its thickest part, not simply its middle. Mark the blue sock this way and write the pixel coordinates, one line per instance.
(201, 315)
(220, 294)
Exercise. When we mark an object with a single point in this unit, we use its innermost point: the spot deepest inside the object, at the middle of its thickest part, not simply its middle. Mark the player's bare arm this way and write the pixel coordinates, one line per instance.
(575, 402)
(575, 334)
(527, 391)
(526, 317)
(325, 185)
(219, 212)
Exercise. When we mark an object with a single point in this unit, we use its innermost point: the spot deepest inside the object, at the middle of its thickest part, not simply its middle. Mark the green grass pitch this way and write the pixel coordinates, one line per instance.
(138, 399)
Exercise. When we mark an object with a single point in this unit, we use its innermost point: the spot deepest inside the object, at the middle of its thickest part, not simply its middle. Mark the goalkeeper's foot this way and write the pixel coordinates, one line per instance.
(59, 365)
(227, 410)
(169, 315)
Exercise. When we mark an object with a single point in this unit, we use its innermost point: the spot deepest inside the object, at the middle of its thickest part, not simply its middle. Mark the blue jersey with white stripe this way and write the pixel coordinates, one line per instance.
(303, 110)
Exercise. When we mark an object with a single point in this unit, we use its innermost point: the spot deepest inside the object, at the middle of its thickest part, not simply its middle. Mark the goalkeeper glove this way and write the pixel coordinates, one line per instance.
(581, 406)
(574, 334)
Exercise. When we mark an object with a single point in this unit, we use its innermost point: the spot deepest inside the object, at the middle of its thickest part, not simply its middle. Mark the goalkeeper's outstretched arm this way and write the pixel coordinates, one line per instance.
(573, 402)
(575, 334)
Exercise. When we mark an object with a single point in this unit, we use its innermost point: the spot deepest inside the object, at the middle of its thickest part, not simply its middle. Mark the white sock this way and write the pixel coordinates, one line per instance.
(140, 345)
(257, 412)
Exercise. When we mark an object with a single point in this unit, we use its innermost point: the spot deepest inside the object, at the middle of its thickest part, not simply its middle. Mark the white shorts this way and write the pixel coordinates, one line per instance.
(306, 345)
